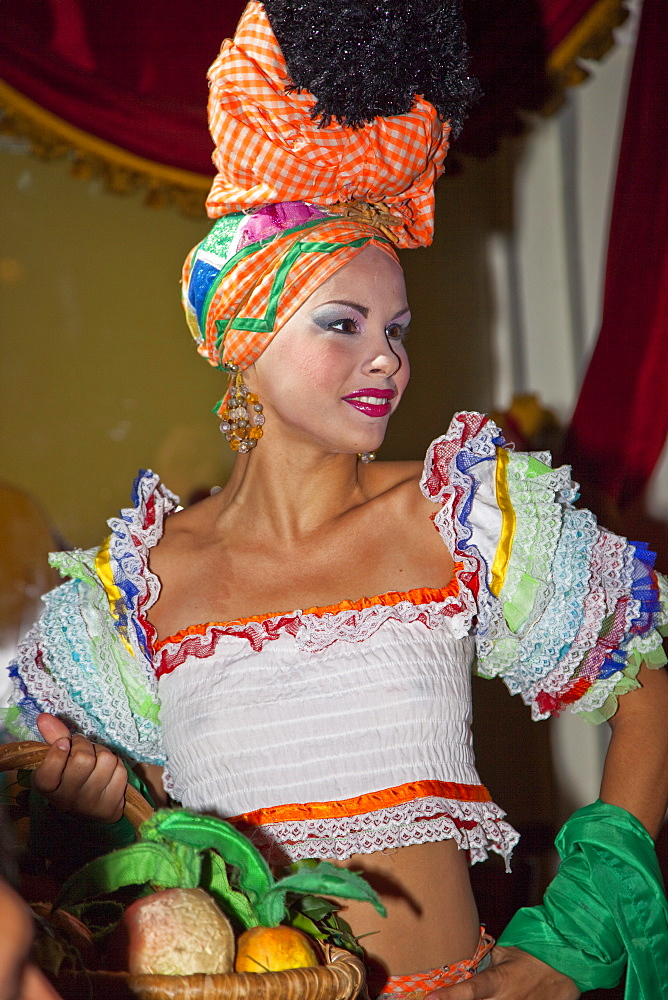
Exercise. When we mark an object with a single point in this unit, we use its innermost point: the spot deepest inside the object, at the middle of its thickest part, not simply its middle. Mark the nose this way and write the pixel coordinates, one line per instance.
(383, 359)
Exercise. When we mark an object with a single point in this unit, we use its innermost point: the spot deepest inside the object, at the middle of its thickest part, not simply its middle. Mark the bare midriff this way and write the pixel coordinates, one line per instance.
(432, 918)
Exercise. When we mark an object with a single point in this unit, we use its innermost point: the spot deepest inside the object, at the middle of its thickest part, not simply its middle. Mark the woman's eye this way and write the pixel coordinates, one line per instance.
(396, 332)
(344, 326)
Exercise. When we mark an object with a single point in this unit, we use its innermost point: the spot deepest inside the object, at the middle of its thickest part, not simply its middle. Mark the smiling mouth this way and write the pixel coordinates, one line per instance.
(374, 403)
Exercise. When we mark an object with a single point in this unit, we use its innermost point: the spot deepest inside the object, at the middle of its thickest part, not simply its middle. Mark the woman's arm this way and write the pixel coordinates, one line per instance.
(151, 775)
(19, 979)
(635, 778)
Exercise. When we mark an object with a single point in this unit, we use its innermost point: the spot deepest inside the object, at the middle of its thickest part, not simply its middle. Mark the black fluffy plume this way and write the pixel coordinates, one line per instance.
(363, 59)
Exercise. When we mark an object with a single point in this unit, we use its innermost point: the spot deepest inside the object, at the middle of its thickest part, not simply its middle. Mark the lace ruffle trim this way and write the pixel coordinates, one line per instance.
(91, 667)
(313, 629)
(122, 567)
(74, 665)
(477, 827)
(138, 529)
(561, 603)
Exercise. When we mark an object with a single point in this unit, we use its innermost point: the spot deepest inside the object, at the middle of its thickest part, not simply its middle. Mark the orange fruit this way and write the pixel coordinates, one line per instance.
(272, 949)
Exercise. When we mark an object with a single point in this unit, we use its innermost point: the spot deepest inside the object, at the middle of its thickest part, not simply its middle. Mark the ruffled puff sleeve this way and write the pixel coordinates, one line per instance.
(88, 659)
(566, 611)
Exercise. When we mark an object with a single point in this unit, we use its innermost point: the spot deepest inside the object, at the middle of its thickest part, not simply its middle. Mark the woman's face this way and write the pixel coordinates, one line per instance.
(337, 369)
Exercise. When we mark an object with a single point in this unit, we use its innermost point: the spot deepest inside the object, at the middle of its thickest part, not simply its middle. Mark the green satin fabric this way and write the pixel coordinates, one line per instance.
(605, 908)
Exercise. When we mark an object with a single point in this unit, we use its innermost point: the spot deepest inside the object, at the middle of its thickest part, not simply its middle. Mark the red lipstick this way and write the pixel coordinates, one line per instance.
(373, 402)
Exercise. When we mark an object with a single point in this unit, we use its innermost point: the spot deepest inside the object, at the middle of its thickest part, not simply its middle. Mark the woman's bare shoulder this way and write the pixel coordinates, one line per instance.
(401, 501)
(403, 480)
(184, 530)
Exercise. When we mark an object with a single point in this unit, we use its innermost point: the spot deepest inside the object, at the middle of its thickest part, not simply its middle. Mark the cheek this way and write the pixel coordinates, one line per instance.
(315, 365)
(402, 377)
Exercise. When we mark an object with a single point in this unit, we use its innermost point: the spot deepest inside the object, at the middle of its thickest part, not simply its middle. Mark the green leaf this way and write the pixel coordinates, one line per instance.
(340, 933)
(216, 882)
(271, 909)
(303, 923)
(315, 907)
(298, 865)
(207, 832)
(324, 878)
(167, 866)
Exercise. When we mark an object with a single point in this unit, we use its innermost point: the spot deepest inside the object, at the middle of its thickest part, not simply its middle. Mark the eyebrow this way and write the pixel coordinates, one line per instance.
(362, 309)
(351, 305)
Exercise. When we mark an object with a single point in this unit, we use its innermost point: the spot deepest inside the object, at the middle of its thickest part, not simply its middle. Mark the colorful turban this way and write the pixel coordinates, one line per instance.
(252, 272)
(295, 200)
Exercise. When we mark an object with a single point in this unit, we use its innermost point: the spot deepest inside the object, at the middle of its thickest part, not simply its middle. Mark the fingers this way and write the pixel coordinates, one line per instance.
(51, 728)
(48, 775)
(471, 989)
(514, 975)
(112, 801)
(77, 757)
(82, 777)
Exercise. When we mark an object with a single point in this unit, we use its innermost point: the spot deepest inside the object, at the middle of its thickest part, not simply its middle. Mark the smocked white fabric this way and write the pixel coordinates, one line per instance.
(302, 727)
(281, 725)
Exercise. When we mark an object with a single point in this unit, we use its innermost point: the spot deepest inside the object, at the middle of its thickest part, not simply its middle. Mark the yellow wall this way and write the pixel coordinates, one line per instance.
(98, 375)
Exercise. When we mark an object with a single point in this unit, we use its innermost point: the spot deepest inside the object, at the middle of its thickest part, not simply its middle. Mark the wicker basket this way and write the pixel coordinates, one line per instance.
(341, 978)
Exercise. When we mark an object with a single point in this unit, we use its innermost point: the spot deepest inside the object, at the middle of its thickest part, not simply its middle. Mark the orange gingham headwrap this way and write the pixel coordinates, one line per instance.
(253, 271)
(269, 150)
(237, 293)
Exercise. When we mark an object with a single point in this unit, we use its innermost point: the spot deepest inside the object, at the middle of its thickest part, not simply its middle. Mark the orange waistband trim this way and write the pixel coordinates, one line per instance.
(397, 987)
(370, 802)
(422, 595)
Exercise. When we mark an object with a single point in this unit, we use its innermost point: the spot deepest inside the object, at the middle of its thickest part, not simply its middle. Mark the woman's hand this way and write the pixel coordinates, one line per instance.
(513, 975)
(78, 776)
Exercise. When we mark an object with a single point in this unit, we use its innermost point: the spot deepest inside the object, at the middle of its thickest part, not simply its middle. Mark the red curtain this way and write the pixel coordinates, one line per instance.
(133, 72)
(561, 17)
(620, 423)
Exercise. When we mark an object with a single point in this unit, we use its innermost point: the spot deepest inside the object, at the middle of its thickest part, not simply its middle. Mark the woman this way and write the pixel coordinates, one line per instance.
(341, 729)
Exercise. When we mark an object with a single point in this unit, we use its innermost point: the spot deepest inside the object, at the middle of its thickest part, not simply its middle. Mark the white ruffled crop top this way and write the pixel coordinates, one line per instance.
(333, 731)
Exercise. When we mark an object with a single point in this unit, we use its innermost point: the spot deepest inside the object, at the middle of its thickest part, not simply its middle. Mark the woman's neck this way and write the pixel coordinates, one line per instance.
(293, 490)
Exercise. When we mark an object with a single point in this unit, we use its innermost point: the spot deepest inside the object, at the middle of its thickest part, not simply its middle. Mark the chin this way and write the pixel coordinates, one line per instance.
(351, 442)
(370, 445)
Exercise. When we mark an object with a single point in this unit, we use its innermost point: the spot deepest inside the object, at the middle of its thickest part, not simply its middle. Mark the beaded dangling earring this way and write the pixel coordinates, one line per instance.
(242, 416)
(366, 456)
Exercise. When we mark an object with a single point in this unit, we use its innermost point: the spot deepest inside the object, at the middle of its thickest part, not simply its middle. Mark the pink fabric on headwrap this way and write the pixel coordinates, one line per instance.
(270, 220)
(269, 149)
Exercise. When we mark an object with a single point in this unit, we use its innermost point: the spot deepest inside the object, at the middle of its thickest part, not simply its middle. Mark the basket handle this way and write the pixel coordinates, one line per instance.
(29, 754)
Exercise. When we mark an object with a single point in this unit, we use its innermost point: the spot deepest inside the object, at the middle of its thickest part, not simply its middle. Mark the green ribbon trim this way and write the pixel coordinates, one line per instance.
(239, 256)
(517, 611)
(537, 468)
(266, 324)
(605, 908)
